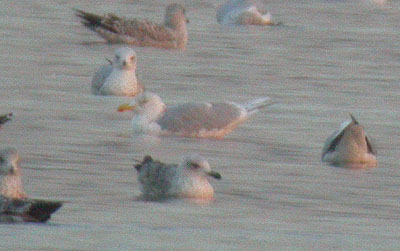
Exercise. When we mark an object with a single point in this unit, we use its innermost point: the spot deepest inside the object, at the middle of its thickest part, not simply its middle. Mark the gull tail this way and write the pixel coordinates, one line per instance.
(256, 104)
(93, 21)
(41, 210)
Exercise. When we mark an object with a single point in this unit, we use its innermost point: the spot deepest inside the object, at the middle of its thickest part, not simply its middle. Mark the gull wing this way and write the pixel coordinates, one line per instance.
(13, 210)
(194, 117)
(334, 139)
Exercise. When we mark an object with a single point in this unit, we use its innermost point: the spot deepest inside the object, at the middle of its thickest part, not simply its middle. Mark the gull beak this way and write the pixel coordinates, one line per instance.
(214, 175)
(126, 107)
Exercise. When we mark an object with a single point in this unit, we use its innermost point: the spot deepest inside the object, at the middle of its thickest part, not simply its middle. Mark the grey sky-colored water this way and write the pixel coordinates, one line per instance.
(328, 58)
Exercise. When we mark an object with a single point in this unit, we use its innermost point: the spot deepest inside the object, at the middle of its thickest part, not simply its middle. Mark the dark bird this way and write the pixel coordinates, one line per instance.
(4, 118)
(14, 204)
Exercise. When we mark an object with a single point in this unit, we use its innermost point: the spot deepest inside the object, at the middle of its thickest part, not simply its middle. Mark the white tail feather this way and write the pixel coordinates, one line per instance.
(256, 104)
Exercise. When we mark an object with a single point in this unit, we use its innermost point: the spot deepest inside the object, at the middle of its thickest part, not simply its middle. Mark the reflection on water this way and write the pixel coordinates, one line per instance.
(330, 58)
(354, 166)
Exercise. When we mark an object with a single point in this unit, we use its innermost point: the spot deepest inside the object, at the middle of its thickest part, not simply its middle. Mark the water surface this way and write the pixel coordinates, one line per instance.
(328, 59)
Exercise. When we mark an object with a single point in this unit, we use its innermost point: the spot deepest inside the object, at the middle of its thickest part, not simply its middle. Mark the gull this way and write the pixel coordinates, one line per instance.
(119, 77)
(200, 120)
(242, 12)
(14, 204)
(349, 144)
(4, 118)
(189, 179)
(171, 34)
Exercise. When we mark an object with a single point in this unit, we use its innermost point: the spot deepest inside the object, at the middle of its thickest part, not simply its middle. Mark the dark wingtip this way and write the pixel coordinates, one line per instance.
(145, 160)
(90, 20)
(41, 210)
(6, 117)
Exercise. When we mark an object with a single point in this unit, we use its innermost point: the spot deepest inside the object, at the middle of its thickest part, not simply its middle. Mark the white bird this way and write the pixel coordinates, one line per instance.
(118, 78)
(171, 34)
(243, 12)
(189, 179)
(14, 204)
(349, 144)
(5, 118)
(202, 120)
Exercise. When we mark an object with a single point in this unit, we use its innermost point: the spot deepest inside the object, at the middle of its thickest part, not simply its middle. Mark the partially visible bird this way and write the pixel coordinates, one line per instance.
(160, 181)
(14, 204)
(202, 120)
(171, 34)
(243, 12)
(118, 78)
(5, 118)
(349, 144)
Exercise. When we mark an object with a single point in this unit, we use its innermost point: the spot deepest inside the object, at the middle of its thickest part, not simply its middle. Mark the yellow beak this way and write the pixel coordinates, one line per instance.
(126, 107)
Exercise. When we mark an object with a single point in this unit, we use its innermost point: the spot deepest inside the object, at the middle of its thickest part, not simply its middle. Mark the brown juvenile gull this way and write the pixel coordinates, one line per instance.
(189, 179)
(119, 77)
(243, 12)
(14, 204)
(171, 34)
(349, 144)
(202, 120)
(4, 118)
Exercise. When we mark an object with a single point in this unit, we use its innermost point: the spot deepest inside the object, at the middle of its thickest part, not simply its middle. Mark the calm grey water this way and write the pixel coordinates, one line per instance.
(328, 59)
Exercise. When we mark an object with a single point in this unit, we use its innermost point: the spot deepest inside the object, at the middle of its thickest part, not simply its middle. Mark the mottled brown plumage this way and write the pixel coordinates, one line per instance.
(171, 34)
(14, 205)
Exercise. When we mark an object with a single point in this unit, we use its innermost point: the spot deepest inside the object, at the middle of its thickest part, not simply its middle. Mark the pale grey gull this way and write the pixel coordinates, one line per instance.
(119, 77)
(202, 120)
(243, 12)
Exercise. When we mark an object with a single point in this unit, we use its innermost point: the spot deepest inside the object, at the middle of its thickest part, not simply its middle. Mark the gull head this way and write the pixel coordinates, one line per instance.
(175, 15)
(148, 104)
(125, 59)
(10, 180)
(198, 165)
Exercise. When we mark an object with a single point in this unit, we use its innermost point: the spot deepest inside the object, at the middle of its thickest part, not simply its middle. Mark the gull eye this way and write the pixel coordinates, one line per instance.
(194, 166)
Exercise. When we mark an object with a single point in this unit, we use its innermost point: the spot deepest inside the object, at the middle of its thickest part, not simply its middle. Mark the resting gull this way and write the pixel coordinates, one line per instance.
(189, 179)
(4, 118)
(202, 120)
(171, 34)
(119, 77)
(243, 12)
(349, 145)
(14, 204)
